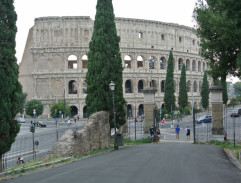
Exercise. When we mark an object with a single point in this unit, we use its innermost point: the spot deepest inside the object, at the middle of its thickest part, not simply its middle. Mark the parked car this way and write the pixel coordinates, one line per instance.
(204, 119)
(21, 120)
(236, 113)
(39, 123)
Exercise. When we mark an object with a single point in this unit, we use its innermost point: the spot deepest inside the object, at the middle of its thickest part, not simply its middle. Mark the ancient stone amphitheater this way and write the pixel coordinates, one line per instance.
(54, 62)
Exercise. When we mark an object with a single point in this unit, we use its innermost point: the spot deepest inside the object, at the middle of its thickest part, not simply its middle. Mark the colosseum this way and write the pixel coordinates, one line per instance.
(54, 62)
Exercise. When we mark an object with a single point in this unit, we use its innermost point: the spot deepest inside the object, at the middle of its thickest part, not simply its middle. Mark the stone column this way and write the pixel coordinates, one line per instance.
(149, 105)
(217, 113)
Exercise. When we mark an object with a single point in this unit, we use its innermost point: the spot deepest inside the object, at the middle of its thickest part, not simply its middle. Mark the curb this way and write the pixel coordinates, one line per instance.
(233, 159)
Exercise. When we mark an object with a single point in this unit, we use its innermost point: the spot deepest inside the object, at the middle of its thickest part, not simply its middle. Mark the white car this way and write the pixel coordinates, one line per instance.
(21, 120)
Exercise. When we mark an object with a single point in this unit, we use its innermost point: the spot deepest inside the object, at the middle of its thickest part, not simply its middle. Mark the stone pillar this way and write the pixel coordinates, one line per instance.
(217, 113)
(149, 106)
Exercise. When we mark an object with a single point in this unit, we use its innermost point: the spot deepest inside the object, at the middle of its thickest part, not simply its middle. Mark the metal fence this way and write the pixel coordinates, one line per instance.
(135, 128)
(33, 146)
(232, 128)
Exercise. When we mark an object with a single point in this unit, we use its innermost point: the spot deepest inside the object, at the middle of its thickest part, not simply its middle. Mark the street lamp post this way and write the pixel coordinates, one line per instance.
(112, 88)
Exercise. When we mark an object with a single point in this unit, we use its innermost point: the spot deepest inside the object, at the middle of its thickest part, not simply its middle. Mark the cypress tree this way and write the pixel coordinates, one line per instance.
(10, 88)
(183, 97)
(169, 97)
(205, 92)
(105, 65)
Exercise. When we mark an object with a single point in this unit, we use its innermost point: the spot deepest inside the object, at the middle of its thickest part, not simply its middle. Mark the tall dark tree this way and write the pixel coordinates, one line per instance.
(10, 88)
(205, 92)
(22, 103)
(183, 97)
(219, 27)
(225, 91)
(169, 97)
(105, 65)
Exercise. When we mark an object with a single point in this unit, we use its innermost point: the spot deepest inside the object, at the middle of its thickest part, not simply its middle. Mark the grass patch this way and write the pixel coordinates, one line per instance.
(136, 142)
(226, 144)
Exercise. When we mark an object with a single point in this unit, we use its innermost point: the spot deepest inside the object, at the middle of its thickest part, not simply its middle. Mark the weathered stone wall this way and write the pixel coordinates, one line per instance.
(95, 134)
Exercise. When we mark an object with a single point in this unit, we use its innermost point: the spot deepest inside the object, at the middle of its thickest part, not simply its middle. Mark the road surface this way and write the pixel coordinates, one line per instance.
(147, 163)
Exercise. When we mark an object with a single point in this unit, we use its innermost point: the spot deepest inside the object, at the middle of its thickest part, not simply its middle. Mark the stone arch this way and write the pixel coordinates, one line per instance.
(180, 62)
(188, 86)
(85, 113)
(163, 106)
(153, 83)
(140, 60)
(188, 65)
(74, 110)
(73, 87)
(84, 87)
(72, 62)
(141, 110)
(84, 61)
(140, 85)
(129, 110)
(199, 66)
(152, 64)
(163, 86)
(163, 63)
(128, 86)
(195, 86)
(193, 65)
(127, 60)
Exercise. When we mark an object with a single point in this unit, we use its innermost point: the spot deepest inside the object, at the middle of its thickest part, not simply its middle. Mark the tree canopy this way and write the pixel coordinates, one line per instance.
(219, 28)
(10, 88)
(61, 107)
(32, 105)
(105, 65)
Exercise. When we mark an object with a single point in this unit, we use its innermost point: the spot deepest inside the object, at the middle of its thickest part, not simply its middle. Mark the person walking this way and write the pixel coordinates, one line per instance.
(151, 133)
(188, 131)
(177, 129)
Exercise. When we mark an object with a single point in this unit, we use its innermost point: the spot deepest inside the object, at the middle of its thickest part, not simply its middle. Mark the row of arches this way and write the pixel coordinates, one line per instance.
(128, 62)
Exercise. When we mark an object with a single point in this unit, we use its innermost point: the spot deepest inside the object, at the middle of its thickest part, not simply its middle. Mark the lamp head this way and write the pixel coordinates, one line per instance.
(112, 86)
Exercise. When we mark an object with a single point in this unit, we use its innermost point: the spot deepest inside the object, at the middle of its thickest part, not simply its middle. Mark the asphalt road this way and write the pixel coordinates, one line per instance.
(148, 163)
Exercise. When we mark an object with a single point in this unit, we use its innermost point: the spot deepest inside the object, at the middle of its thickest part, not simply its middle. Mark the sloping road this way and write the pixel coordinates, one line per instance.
(148, 163)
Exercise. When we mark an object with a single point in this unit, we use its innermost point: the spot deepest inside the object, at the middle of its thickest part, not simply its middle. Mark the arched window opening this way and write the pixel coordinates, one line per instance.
(72, 62)
(195, 86)
(140, 35)
(128, 86)
(141, 110)
(188, 65)
(72, 87)
(140, 86)
(180, 62)
(163, 106)
(129, 110)
(151, 62)
(163, 63)
(193, 65)
(139, 61)
(199, 66)
(153, 84)
(188, 86)
(163, 86)
(74, 111)
(85, 113)
(84, 61)
(84, 87)
(127, 60)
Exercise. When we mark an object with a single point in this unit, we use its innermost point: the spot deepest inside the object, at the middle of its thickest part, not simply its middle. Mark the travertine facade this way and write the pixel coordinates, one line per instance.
(54, 61)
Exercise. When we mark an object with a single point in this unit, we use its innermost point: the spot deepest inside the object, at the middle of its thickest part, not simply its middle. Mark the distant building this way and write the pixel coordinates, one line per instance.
(54, 62)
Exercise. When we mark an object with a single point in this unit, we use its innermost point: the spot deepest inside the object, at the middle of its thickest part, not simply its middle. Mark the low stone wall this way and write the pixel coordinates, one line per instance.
(95, 134)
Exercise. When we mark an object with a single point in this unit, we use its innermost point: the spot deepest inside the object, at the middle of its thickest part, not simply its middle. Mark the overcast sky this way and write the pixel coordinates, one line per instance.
(173, 11)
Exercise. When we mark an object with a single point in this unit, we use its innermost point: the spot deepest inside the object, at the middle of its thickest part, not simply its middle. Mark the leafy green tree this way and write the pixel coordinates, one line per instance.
(34, 105)
(237, 88)
(205, 92)
(22, 103)
(169, 97)
(219, 27)
(225, 91)
(61, 107)
(183, 97)
(105, 65)
(10, 88)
